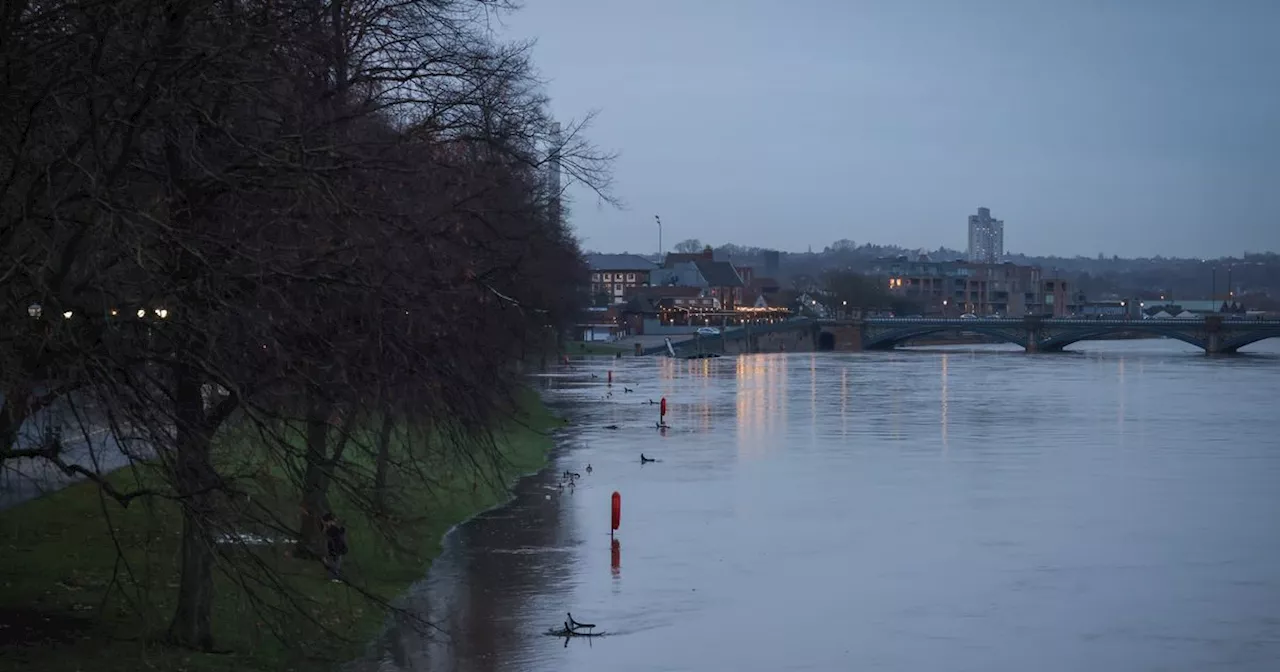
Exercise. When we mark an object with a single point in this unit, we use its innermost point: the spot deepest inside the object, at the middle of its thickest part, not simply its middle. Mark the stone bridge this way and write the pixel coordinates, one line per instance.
(1213, 334)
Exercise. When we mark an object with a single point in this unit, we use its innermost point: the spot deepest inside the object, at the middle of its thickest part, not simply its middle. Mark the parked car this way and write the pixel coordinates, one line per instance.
(708, 331)
(968, 316)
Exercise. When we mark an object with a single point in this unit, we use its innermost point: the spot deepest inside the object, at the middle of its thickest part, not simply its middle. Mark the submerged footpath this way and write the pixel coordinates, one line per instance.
(88, 584)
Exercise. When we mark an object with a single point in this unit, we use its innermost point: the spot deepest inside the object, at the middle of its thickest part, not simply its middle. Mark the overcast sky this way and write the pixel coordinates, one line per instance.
(1131, 127)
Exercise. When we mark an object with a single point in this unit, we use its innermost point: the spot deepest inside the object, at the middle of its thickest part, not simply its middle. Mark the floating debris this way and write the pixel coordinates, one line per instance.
(565, 631)
(572, 628)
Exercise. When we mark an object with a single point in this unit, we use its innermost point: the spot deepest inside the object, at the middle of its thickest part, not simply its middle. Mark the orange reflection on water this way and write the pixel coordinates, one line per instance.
(667, 370)
(762, 381)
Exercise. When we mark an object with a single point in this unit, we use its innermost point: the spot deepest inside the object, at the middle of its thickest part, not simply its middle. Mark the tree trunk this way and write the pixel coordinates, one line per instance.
(315, 503)
(380, 467)
(195, 481)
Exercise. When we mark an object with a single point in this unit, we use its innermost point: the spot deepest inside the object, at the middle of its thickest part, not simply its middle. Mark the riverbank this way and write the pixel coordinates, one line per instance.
(67, 602)
(575, 348)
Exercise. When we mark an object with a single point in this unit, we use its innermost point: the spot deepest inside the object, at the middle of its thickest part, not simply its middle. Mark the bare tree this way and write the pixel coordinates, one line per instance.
(292, 221)
(690, 246)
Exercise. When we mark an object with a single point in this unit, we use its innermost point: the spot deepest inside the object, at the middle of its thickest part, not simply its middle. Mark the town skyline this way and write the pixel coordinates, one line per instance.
(818, 249)
(1123, 128)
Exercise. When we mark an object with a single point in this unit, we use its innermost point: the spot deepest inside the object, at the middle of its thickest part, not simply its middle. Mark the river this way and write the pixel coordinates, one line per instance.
(971, 508)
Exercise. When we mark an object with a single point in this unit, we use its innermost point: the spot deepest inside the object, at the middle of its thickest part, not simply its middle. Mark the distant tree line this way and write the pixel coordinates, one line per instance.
(293, 219)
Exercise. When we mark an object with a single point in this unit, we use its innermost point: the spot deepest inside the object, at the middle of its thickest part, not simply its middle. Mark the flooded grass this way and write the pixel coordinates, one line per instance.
(69, 601)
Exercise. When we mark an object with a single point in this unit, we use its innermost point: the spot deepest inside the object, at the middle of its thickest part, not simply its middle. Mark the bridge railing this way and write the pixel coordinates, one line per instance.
(1062, 321)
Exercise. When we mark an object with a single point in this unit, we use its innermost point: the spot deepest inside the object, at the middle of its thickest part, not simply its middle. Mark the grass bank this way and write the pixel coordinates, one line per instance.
(70, 601)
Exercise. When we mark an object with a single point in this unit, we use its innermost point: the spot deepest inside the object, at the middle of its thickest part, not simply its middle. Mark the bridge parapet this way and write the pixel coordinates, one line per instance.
(1214, 334)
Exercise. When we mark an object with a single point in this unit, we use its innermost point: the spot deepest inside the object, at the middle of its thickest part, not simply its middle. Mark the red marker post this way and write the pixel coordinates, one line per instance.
(610, 377)
(617, 513)
(662, 409)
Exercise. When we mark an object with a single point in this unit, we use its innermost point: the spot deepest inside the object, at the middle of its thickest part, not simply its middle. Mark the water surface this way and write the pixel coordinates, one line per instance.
(1116, 508)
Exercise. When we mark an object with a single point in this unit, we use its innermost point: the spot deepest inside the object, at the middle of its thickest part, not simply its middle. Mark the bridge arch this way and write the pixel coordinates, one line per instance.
(896, 337)
(1248, 338)
(1072, 336)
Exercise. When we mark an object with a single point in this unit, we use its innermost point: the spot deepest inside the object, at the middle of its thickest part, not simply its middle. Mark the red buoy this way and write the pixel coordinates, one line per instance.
(611, 377)
(617, 512)
(663, 408)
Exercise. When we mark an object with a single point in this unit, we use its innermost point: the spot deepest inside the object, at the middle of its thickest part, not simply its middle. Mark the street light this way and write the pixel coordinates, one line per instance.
(67, 315)
(162, 313)
(141, 313)
(34, 310)
(658, 219)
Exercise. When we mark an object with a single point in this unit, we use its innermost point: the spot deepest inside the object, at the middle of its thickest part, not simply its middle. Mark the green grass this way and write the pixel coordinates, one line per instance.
(572, 348)
(59, 556)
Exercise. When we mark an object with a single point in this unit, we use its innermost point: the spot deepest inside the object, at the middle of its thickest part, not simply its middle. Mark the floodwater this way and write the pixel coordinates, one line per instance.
(87, 440)
(1115, 508)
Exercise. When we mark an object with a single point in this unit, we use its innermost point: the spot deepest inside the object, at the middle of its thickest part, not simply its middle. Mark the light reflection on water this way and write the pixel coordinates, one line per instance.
(958, 509)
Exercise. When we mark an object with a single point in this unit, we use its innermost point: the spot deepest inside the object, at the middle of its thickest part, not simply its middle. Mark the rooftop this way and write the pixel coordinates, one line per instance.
(719, 273)
(619, 262)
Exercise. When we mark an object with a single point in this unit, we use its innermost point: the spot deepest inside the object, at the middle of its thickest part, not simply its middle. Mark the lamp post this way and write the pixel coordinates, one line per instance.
(1213, 294)
(658, 219)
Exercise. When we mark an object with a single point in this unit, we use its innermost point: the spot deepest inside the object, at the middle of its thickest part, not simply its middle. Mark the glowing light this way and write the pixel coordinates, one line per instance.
(162, 313)
(34, 310)
(141, 313)
(68, 314)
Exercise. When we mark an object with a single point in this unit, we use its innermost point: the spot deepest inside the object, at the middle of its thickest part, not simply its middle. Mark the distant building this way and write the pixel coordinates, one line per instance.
(959, 287)
(613, 274)
(1059, 299)
(986, 238)
(771, 261)
(1121, 309)
(719, 279)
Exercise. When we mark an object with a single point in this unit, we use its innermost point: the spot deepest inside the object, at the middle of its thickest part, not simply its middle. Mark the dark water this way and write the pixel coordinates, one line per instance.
(967, 509)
